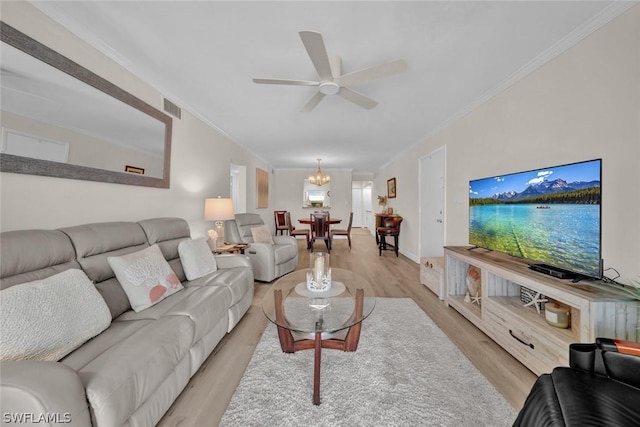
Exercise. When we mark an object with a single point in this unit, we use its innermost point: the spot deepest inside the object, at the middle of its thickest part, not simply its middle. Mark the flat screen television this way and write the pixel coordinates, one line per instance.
(550, 216)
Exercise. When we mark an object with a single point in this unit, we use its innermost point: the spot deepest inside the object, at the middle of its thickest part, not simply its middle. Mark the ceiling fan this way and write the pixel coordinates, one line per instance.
(331, 81)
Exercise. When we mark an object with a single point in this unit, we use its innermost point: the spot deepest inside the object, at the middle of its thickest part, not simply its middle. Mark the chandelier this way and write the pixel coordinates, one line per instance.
(319, 179)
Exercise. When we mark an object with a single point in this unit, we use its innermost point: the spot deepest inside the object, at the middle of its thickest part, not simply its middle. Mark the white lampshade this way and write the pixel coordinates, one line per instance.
(218, 209)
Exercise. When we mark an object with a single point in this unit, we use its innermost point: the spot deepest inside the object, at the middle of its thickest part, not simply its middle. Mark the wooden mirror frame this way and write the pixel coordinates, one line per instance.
(25, 165)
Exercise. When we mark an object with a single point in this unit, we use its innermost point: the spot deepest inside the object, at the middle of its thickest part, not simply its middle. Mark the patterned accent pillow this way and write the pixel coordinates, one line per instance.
(145, 276)
(262, 234)
(49, 318)
(197, 258)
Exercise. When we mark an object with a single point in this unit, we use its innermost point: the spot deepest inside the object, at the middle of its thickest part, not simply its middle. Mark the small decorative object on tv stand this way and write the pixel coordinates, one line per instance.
(558, 315)
(531, 298)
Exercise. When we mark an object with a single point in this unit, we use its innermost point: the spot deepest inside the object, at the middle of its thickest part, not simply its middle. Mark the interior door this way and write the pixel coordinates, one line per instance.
(357, 206)
(367, 215)
(432, 187)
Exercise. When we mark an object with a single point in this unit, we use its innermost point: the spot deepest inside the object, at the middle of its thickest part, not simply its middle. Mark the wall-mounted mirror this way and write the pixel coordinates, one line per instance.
(60, 119)
(315, 196)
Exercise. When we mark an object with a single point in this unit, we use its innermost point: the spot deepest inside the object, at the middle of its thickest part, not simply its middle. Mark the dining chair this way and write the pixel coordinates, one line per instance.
(311, 215)
(343, 232)
(298, 231)
(320, 230)
(281, 221)
(390, 227)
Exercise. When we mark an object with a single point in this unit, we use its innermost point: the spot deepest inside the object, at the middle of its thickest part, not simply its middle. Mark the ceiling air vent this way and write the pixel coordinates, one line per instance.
(172, 108)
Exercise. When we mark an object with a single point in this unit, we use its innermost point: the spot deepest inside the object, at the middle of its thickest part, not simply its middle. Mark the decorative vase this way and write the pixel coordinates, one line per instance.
(319, 273)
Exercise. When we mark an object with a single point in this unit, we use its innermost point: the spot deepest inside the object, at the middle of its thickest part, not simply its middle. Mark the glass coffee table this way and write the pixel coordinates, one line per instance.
(317, 320)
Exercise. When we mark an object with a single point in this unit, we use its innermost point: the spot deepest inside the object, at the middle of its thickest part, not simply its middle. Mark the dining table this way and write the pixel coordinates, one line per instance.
(309, 221)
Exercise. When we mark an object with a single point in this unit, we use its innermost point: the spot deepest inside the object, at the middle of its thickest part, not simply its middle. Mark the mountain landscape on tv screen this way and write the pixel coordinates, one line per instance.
(555, 191)
(547, 187)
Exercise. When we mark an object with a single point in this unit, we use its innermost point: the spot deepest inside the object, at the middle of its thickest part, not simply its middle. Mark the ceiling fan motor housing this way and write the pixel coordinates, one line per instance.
(329, 88)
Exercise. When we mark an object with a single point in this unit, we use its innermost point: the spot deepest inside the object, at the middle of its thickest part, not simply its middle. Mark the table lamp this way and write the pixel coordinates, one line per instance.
(217, 210)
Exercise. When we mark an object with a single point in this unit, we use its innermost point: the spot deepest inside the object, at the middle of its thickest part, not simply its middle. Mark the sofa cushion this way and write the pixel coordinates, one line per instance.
(145, 276)
(196, 258)
(239, 281)
(94, 243)
(167, 233)
(239, 230)
(125, 375)
(47, 319)
(29, 255)
(205, 306)
(115, 333)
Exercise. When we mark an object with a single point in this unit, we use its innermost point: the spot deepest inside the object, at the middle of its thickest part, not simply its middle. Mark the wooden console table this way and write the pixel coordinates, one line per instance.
(231, 248)
(380, 221)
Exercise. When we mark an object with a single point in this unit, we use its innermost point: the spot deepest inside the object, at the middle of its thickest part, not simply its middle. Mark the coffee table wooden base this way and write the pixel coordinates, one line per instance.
(289, 345)
(316, 368)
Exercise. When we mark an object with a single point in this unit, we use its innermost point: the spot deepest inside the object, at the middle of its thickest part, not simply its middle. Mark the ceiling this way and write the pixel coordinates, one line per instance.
(203, 55)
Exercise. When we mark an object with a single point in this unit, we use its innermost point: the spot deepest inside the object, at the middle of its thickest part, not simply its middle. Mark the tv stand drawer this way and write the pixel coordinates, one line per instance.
(524, 342)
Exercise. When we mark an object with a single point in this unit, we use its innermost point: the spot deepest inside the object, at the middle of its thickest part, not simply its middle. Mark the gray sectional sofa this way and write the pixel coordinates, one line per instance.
(130, 374)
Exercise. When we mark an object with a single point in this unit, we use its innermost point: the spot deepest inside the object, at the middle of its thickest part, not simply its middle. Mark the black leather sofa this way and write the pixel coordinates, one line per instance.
(601, 387)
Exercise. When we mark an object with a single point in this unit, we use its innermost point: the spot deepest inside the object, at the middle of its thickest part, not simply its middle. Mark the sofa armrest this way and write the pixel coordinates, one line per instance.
(285, 240)
(541, 407)
(225, 261)
(32, 391)
(264, 251)
(263, 262)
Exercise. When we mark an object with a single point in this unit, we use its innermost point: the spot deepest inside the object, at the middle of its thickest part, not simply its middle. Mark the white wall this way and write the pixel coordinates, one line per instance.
(289, 193)
(200, 163)
(584, 104)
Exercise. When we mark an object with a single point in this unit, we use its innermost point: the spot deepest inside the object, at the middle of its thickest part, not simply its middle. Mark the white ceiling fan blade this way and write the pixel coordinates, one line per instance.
(311, 104)
(372, 73)
(318, 53)
(357, 98)
(286, 82)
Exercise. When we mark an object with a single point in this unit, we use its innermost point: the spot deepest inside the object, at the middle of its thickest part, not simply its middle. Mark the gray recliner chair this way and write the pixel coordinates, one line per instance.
(268, 261)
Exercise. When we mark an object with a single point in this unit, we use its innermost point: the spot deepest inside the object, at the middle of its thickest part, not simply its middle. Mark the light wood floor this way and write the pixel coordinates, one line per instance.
(205, 398)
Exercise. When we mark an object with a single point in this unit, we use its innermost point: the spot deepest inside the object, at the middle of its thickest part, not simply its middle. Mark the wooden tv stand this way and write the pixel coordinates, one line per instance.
(597, 309)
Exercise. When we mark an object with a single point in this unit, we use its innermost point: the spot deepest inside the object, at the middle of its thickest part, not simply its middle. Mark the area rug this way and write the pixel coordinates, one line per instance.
(406, 372)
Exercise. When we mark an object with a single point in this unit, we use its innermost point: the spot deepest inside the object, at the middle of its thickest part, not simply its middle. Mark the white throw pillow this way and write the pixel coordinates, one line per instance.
(262, 234)
(49, 318)
(197, 258)
(145, 276)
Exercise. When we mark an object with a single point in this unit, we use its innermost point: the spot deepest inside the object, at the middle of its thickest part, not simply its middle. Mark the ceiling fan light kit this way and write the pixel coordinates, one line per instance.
(331, 81)
(329, 88)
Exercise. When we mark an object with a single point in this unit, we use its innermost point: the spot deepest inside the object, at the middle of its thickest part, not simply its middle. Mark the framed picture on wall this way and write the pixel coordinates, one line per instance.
(391, 188)
(262, 185)
(134, 169)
